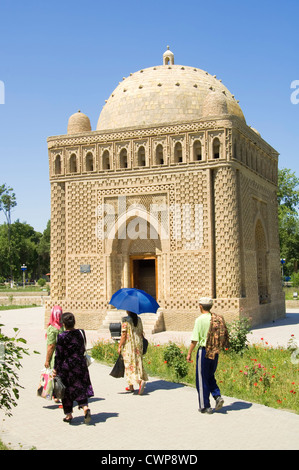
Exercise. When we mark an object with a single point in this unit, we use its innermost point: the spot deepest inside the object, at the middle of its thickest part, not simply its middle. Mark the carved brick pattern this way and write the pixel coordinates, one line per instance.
(228, 272)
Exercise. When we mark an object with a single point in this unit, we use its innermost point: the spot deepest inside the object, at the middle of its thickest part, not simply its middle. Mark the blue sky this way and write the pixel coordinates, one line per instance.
(60, 56)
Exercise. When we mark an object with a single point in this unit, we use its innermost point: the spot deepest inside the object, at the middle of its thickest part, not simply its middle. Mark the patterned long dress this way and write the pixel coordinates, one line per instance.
(132, 351)
(70, 365)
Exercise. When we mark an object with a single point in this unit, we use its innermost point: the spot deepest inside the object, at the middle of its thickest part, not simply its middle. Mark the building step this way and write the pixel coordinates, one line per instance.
(152, 322)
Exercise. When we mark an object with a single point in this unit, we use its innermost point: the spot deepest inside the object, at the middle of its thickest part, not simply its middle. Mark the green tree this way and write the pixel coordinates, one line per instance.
(7, 203)
(288, 202)
(43, 250)
(24, 242)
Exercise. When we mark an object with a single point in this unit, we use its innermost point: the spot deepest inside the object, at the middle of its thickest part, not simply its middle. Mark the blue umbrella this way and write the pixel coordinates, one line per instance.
(134, 300)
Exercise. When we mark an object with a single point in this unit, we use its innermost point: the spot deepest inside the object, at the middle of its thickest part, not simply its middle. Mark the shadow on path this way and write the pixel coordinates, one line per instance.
(235, 406)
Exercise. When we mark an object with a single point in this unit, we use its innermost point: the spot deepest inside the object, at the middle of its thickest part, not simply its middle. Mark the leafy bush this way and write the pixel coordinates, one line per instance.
(11, 354)
(238, 331)
(174, 357)
(41, 282)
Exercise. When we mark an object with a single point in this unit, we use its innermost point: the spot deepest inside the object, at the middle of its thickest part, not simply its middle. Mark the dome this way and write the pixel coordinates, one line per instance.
(78, 123)
(167, 94)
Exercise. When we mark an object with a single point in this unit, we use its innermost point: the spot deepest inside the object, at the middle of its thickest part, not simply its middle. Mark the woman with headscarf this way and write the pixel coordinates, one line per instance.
(55, 326)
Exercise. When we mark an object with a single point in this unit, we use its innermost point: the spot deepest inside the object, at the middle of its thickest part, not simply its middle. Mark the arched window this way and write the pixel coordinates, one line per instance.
(123, 159)
(216, 148)
(57, 165)
(89, 162)
(197, 152)
(141, 156)
(178, 153)
(106, 160)
(159, 155)
(73, 163)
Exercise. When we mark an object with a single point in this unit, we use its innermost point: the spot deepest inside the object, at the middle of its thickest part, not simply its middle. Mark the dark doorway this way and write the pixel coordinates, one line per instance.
(143, 274)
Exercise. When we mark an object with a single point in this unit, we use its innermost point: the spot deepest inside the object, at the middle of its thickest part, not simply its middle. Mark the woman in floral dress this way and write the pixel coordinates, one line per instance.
(131, 349)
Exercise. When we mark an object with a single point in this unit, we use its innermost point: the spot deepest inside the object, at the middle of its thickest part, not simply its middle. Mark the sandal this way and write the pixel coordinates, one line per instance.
(128, 389)
(87, 417)
(141, 387)
(67, 420)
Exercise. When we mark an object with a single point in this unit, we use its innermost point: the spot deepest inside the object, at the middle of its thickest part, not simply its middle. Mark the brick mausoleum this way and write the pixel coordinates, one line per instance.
(172, 193)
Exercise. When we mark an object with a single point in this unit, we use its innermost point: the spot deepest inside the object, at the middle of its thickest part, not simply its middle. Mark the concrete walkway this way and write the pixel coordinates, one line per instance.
(164, 418)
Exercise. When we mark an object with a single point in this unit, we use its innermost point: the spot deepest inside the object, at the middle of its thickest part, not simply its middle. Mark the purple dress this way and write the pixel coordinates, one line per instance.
(70, 365)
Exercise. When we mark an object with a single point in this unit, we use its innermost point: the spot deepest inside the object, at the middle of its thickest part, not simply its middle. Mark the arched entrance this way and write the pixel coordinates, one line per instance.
(261, 263)
(135, 262)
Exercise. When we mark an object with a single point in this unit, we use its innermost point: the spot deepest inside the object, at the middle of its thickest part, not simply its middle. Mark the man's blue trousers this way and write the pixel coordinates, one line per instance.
(205, 378)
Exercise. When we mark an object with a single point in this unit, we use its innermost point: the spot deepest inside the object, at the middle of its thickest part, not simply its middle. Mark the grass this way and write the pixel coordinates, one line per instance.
(22, 289)
(289, 292)
(261, 374)
(13, 307)
(3, 446)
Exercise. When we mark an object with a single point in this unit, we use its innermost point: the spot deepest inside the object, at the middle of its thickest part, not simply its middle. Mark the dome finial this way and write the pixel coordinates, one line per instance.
(168, 57)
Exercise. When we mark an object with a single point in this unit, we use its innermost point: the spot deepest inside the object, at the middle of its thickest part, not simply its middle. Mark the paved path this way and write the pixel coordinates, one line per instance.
(164, 418)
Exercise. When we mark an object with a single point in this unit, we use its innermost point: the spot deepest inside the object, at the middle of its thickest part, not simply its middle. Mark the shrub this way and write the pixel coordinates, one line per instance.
(174, 357)
(238, 331)
(11, 355)
(41, 282)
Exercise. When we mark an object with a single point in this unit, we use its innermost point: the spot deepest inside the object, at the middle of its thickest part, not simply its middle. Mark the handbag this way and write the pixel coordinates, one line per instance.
(145, 345)
(46, 384)
(59, 388)
(118, 368)
(88, 358)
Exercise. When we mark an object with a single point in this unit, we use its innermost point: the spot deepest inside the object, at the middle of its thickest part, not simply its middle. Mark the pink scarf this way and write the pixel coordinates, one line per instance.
(56, 317)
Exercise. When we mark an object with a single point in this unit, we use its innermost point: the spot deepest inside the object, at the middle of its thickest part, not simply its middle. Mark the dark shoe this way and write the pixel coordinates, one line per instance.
(219, 403)
(67, 420)
(87, 417)
(207, 410)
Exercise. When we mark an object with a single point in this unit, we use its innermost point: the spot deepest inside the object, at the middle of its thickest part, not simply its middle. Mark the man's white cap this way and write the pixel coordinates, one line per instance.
(205, 301)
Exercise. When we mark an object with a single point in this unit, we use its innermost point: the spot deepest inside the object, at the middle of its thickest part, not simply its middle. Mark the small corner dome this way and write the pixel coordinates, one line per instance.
(78, 123)
(254, 130)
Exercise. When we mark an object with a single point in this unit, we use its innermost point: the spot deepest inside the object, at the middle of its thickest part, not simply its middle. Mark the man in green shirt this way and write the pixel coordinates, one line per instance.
(205, 368)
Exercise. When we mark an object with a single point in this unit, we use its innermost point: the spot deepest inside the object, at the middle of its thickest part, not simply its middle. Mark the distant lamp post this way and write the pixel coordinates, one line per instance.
(282, 261)
(24, 269)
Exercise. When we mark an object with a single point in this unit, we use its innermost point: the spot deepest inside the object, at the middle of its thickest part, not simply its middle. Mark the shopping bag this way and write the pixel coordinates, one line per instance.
(59, 388)
(46, 384)
(118, 368)
(145, 345)
(89, 359)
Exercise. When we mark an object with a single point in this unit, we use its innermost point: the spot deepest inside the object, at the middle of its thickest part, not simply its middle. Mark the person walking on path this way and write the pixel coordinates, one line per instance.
(70, 365)
(211, 334)
(131, 349)
(54, 327)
